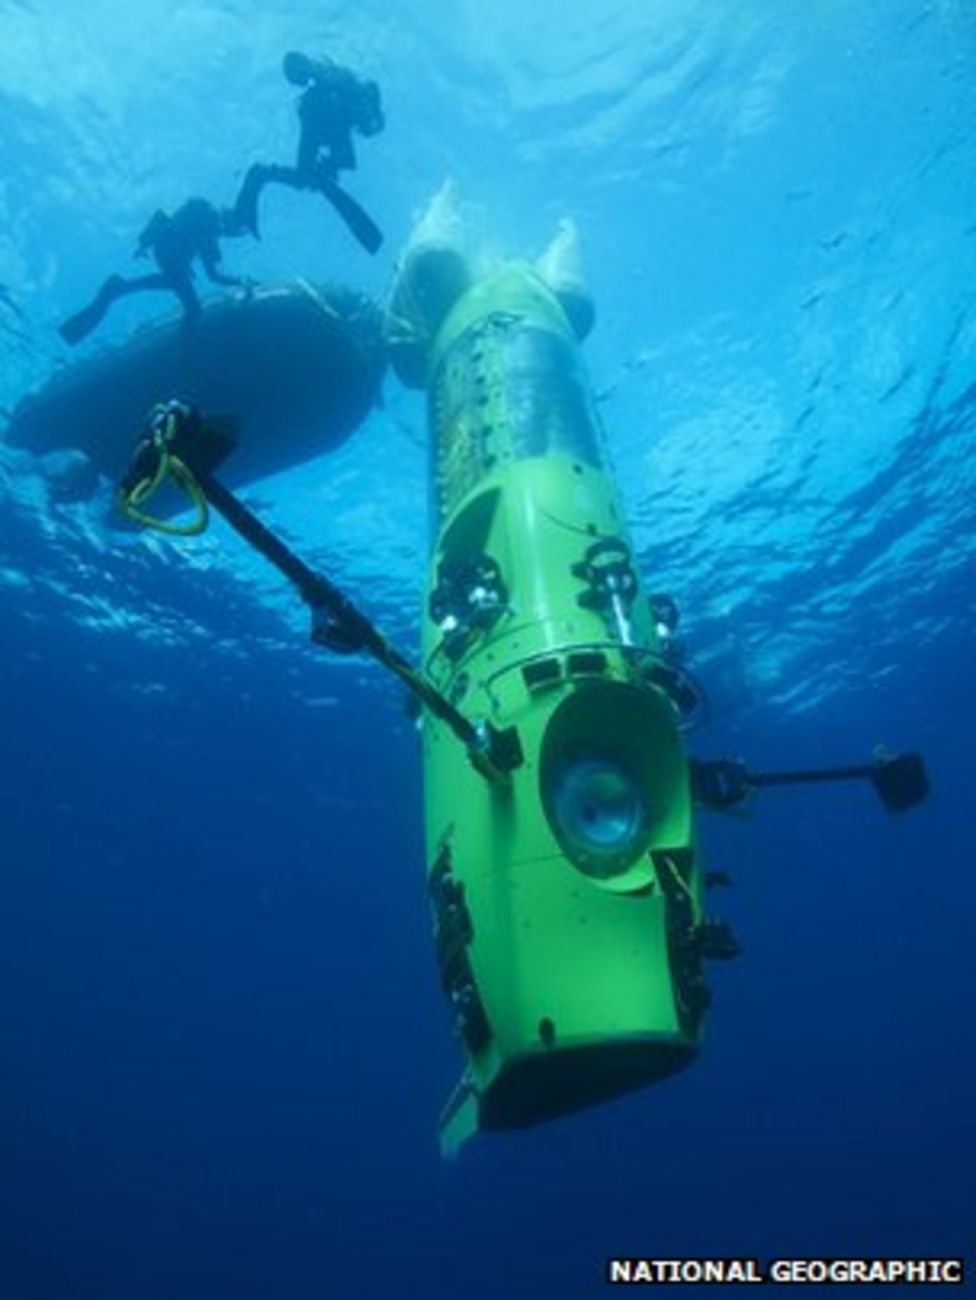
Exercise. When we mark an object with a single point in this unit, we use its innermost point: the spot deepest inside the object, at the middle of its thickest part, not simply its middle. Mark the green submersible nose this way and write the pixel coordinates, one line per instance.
(567, 900)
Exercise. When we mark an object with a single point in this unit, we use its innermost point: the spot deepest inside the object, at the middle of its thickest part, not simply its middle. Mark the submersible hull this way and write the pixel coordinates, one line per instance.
(565, 899)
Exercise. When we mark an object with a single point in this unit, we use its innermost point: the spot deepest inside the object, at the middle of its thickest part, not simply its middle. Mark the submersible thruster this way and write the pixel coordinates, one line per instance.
(567, 899)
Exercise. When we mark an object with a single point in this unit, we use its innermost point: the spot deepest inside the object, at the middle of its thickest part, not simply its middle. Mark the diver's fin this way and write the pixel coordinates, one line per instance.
(246, 203)
(360, 223)
(79, 326)
(74, 329)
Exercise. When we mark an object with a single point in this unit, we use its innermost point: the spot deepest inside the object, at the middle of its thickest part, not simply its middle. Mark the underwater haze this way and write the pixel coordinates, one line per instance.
(224, 1044)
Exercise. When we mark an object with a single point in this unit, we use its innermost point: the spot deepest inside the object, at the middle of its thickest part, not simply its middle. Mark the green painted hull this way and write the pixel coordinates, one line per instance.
(571, 966)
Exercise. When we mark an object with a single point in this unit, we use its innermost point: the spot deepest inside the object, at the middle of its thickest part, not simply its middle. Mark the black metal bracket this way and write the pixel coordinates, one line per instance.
(899, 780)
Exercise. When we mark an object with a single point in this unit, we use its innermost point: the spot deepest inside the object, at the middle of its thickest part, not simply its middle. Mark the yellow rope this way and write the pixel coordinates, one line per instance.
(171, 468)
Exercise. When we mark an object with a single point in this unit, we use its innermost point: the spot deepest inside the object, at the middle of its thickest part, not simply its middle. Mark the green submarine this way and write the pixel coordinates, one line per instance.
(566, 888)
(565, 897)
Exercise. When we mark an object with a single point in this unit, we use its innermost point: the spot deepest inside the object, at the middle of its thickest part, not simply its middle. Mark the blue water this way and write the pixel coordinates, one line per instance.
(224, 1046)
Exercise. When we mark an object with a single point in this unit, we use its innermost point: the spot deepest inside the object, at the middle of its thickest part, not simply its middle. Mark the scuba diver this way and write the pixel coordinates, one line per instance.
(334, 103)
(193, 231)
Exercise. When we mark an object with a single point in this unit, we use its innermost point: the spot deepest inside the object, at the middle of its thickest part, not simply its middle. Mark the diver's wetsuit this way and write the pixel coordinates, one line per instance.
(334, 103)
(193, 231)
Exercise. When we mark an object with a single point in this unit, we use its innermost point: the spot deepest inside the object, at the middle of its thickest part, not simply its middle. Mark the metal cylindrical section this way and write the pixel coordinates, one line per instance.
(507, 384)
(565, 902)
